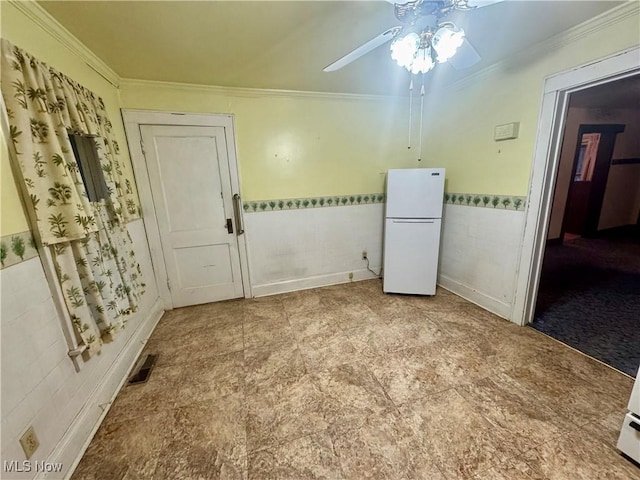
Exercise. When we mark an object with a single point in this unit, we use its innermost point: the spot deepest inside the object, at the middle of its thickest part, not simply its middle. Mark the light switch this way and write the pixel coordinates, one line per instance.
(506, 131)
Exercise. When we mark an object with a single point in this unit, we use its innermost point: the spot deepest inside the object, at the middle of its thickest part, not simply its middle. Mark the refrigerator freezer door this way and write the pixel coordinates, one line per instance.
(415, 193)
(411, 256)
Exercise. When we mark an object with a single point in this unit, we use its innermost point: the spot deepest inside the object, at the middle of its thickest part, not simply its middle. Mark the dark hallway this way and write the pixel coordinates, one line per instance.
(589, 297)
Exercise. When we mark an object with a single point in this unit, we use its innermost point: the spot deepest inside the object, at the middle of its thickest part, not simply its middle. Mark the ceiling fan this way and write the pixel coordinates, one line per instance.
(422, 39)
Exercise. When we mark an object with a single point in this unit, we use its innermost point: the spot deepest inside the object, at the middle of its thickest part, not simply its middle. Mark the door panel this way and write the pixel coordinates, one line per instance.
(174, 154)
(411, 256)
(190, 182)
(205, 265)
(415, 193)
(589, 178)
(577, 208)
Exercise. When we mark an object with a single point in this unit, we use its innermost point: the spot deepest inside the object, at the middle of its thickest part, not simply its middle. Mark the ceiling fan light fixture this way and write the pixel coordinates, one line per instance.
(446, 41)
(423, 61)
(404, 49)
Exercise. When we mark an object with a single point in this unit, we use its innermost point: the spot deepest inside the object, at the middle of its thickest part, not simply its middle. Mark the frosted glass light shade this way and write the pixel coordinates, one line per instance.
(423, 61)
(446, 42)
(403, 49)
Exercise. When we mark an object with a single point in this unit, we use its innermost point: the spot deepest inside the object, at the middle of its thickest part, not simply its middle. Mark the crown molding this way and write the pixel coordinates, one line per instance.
(599, 22)
(49, 24)
(254, 92)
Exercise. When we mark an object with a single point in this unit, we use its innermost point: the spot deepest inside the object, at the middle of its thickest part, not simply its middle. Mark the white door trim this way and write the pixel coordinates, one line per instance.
(132, 120)
(545, 164)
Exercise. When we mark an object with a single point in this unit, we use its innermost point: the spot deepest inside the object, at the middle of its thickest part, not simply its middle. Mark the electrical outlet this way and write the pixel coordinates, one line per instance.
(364, 254)
(29, 442)
(350, 275)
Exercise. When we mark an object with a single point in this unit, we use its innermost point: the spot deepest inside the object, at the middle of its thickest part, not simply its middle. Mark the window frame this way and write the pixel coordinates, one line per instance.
(86, 154)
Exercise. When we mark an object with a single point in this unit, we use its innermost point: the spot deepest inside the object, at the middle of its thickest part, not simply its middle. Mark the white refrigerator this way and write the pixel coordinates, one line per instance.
(413, 217)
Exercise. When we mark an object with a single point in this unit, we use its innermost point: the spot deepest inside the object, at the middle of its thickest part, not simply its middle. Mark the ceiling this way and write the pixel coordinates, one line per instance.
(285, 45)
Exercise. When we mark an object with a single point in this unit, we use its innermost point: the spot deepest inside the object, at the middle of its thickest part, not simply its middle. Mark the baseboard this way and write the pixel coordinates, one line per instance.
(312, 282)
(86, 423)
(483, 300)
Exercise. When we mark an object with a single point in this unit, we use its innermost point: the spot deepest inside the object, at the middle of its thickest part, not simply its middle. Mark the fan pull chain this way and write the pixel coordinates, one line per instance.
(421, 119)
(410, 102)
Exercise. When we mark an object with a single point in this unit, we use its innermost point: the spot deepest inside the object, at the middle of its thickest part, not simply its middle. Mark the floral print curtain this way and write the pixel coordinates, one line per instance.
(100, 278)
(91, 246)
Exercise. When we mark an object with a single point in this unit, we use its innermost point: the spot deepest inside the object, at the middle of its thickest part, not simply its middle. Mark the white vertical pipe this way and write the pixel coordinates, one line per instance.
(410, 108)
(421, 120)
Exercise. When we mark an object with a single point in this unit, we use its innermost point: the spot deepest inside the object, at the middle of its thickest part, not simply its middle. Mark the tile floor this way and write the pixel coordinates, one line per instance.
(346, 382)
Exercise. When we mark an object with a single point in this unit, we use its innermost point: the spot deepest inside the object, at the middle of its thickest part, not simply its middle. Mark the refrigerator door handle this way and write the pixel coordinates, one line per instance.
(413, 220)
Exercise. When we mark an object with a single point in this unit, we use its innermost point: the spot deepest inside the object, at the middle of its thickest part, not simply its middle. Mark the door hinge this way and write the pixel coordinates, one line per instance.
(168, 284)
(142, 147)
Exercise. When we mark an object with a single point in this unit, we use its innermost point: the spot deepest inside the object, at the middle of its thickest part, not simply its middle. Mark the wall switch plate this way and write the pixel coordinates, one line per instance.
(506, 131)
(29, 442)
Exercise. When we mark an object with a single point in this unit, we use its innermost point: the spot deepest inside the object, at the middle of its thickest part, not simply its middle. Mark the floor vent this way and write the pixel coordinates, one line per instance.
(143, 371)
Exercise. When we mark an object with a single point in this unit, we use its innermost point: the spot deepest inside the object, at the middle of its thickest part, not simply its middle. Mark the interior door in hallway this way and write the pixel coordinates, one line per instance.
(190, 181)
(589, 178)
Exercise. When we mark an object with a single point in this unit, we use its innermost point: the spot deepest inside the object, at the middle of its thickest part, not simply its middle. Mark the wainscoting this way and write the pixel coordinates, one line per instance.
(311, 247)
(40, 386)
(479, 255)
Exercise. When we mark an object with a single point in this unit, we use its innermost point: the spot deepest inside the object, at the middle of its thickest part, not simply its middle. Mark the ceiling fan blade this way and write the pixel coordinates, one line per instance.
(465, 57)
(372, 44)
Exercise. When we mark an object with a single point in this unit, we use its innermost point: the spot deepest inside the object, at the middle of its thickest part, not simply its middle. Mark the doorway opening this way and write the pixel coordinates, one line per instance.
(588, 295)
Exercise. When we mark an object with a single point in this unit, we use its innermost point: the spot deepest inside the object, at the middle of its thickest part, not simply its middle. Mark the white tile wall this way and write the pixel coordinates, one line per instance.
(40, 386)
(33, 348)
(479, 254)
(295, 249)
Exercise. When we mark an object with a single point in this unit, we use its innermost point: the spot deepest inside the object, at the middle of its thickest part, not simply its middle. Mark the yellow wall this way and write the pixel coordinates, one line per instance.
(23, 32)
(460, 124)
(297, 145)
(12, 217)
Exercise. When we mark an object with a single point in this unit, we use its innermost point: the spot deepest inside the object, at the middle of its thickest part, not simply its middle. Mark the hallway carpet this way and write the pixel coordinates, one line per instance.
(345, 382)
(589, 298)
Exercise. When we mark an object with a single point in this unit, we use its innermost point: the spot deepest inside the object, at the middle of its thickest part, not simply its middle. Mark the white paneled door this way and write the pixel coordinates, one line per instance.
(190, 181)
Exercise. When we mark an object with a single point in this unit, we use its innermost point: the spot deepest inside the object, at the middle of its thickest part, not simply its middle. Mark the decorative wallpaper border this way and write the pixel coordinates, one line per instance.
(19, 247)
(313, 202)
(504, 202)
(16, 248)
